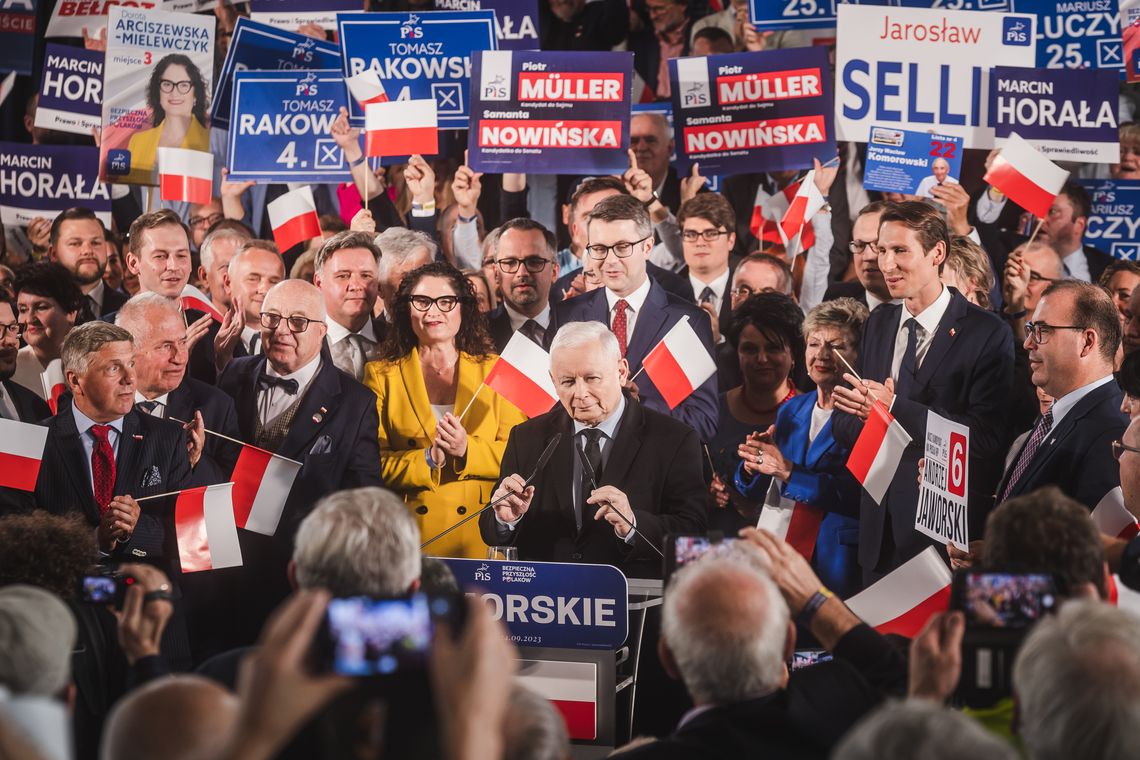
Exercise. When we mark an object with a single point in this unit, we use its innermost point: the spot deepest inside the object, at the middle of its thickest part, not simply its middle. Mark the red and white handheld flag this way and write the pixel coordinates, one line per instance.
(192, 298)
(205, 528)
(907, 597)
(262, 481)
(877, 451)
(679, 363)
(21, 450)
(401, 128)
(792, 521)
(571, 687)
(522, 376)
(54, 383)
(769, 210)
(367, 88)
(1029, 179)
(185, 175)
(642, 92)
(1111, 517)
(804, 205)
(294, 219)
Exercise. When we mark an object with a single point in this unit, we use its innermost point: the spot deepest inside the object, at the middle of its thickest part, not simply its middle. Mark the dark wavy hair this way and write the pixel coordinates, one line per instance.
(780, 320)
(154, 96)
(46, 550)
(49, 279)
(473, 338)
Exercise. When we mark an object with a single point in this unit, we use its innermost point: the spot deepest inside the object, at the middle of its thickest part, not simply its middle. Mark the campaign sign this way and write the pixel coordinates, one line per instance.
(292, 14)
(901, 161)
(906, 68)
(17, 35)
(792, 14)
(258, 47)
(550, 113)
(1069, 115)
(516, 21)
(44, 180)
(1114, 224)
(753, 112)
(665, 108)
(71, 90)
(71, 18)
(417, 56)
(280, 127)
(941, 512)
(551, 604)
(1076, 35)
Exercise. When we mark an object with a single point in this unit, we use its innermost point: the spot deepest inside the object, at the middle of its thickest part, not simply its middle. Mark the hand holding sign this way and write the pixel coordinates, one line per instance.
(957, 202)
(467, 187)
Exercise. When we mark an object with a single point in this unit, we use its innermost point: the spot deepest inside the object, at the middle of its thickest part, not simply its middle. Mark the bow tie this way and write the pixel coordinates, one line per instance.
(287, 384)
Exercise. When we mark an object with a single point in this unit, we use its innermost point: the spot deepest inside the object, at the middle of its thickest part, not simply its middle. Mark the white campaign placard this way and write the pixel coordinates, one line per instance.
(919, 68)
(941, 512)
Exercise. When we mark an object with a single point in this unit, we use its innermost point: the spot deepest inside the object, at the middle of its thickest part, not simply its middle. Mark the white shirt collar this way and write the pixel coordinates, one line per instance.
(929, 318)
(518, 319)
(634, 299)
(1062, 405)
(718, 284)
(338, 332)
(139, 398)
(303, 376)
(83, 423)
(1077, 265)
(609, 424)
(247, 333)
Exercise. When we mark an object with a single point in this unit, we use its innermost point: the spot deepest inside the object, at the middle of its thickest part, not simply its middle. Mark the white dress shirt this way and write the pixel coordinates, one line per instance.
(636, 300)
(338, 332)
(29, 371)
(271, 402)
(350, 356)
(1077, 265)
(718, 286)
(247, 334)
(83, 424)
(7, 407)
(927, 325)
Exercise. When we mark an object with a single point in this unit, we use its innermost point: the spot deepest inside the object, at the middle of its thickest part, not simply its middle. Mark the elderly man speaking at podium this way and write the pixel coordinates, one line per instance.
(635, 477)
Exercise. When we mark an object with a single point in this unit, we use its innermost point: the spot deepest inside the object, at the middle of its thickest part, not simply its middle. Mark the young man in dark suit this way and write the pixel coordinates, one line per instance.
(78, 240)
(933, 352)
(525, 255)
(708, 234)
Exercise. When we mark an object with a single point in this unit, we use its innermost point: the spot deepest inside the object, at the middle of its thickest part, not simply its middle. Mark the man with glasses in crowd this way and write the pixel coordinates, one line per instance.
(525, 257)
(868, 285)
(16, 401)
(707, 237)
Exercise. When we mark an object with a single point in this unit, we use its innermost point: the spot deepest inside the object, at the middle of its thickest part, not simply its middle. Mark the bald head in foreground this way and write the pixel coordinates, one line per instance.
(177, 718)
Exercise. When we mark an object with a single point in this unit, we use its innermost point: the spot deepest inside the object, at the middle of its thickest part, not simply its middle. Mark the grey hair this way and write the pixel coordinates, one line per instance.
(726, 655)
(360, 541)
(536, 731)
(662, 122)
(133, 315)
(206, 250)
(85, 340)
(398, 244)
(1077, 681)
(845, 313)
(578, 334)
(905, 730)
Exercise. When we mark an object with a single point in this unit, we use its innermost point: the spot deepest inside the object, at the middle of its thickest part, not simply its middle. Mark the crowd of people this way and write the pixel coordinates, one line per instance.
(362, 356)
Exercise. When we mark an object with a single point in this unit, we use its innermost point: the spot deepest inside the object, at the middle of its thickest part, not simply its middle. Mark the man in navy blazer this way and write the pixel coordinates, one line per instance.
(1072, 344)
(934, 352)
(638, 310)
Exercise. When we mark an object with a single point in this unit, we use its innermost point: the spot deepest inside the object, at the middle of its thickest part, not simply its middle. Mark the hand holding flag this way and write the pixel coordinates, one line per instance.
(904, 600)
(1030, 179)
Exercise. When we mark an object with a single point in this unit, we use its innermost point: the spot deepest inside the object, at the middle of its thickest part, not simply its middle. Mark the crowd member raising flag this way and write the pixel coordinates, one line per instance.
(1029, 179)
(367, 88)
(679, 363)
(401, 128)
(185, 175)
(262, 481)
(878, 451)
(192, 298)
(905, 599)
(522, 376)
(803, 206)
(294, 218)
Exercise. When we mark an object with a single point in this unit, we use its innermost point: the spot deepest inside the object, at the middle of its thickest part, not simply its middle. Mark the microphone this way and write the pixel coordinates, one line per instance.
(589, 470)
(543, 458)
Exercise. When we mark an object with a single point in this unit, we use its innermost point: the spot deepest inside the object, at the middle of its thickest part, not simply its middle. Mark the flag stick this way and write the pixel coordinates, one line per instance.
(636, 374)
(1036, 229)
(367, 172)
(856, 374)
(175, 493)
(472, 401)
(235, 440)
(708, 456)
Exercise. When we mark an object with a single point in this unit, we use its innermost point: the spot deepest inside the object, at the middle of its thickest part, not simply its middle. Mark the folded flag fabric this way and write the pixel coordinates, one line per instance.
(878, 451)
(192, 298)
(904, 600)
(262, 481)
(54, 383)
(1023, 173)
(522, 376)
(366, 88)
(205, 528)
(769, 210)
(401, 128)
(803, 206)
(185, 175)
(21, 451)
(679, 363)
(571, 687)
(792, 521)
(1112, 518)
(294, 219)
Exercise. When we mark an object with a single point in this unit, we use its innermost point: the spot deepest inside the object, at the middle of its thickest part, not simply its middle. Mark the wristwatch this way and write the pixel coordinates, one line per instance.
(652, 199)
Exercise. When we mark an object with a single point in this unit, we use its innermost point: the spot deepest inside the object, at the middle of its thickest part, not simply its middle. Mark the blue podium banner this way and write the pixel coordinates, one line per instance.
(418, 56)
(260, 47)
(551, 604)
(516, 21)
(1114, 224)
(281, 124)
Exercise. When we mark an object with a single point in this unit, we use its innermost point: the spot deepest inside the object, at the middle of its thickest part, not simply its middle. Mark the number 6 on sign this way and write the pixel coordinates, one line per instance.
(941, 512)
(958, 456)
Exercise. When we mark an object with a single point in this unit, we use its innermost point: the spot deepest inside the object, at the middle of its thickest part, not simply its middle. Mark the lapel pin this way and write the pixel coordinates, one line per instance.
(953, 332)
(319, 415)
(137, 437)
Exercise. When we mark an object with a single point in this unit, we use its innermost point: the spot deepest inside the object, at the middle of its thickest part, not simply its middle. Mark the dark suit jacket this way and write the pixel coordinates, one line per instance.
(654, 460)
(113, 300)
(499, 323)
(964, 377)
(724, 317)
(1076, 456)
(1097, 261)
(218, 414)
(659, 313)
(847, 289)
(29, 406)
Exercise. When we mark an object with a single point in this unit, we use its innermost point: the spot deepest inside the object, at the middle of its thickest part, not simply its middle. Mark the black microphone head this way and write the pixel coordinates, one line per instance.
(547, 453)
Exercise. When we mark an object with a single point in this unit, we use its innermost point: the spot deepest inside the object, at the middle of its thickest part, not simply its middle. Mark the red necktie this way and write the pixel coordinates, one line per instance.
(102, 466)
(620, 326)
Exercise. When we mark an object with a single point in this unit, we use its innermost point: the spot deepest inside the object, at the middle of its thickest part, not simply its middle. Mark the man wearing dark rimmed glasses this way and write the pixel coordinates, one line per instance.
(525, 256)
(16, 401)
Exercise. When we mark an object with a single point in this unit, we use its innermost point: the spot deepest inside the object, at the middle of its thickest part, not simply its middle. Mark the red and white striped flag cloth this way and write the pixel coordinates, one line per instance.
(804, 205)
(1111, 517)
(192, 298)
(877, 452)
(294, 219)
(204, 524)
(21, 450)
(642, 93)
(1122, 596)
(679, 363)
(367, 88)
(262, 482)
(6, 86)
(522, 376)
(571, 687)
(401, 128)
(185, 175)
(54, 383)
(1029, 179)
(792, 521)
(907, 597)
(768, 210)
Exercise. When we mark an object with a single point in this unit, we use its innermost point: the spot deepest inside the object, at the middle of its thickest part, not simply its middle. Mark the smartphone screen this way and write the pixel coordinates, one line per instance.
(803, 658)
(376, 637)
(1007, 600)
(99, 589)
(685, 549)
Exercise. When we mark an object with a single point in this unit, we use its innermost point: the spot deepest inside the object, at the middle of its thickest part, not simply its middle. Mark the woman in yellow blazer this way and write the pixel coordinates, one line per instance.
(433, 362)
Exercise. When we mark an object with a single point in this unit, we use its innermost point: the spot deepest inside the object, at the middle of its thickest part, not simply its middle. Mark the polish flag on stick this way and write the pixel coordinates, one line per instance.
(769, 209)
(1111, 517)
(679, 363)
(522, 376)
(21, 450)
(571, 687)
(192, 298)
(1030, 179)
(906, 598)
(262, 481)
(793, 521)
(204, 524)
(294, 219)
(367, 88)
(803, 206)
(878, 451)
(185, 175)
(54, 383)
(401, 128)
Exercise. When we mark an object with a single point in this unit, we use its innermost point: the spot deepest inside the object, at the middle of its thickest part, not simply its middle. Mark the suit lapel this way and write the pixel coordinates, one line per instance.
(944, 337)
(74, 461)
(648, 327)
(246, 401)
(416, 392)
(128, 479)
(179, 405)
(625, 446)
(317, 407)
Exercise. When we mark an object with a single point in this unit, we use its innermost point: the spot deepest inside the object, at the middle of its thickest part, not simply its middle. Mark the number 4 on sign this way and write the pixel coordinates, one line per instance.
(289, 155)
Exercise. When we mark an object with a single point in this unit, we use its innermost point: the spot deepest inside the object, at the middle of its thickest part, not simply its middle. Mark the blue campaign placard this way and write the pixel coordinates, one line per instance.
(260, 47)
(280, 127)
(550, 112)
(516, 21)
(71, 90)
(44, 180)
(551, 604)
(665, 108)
(1114, 224)
(17, 35)
(290, 14)
(418, 56)
(792, 14)
(1074, 35)
(902, 161)
(753, 112)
